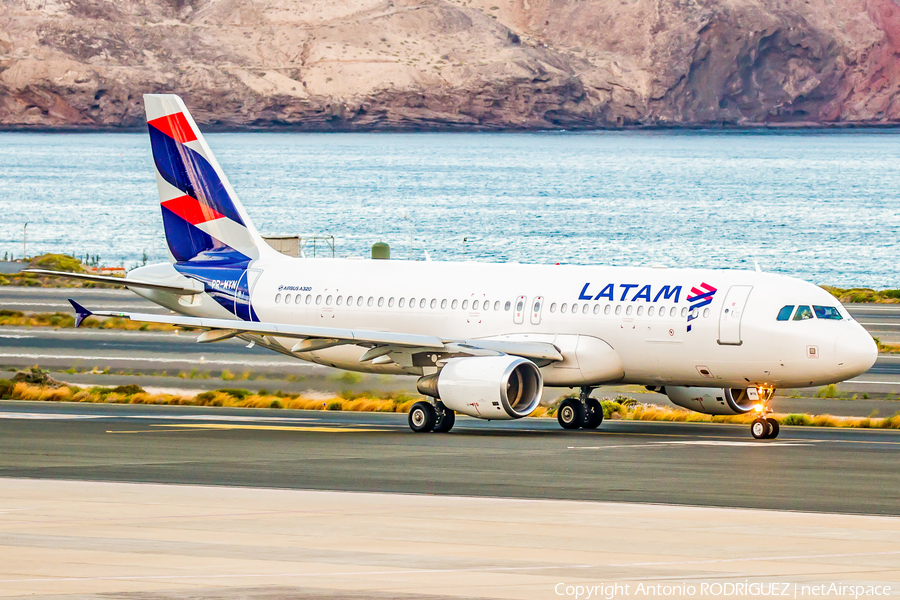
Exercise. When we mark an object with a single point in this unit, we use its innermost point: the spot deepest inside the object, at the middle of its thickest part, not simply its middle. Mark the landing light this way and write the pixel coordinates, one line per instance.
(758, 407)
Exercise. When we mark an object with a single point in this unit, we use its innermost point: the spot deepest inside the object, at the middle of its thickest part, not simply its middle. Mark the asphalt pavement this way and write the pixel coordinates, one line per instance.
(805, 469)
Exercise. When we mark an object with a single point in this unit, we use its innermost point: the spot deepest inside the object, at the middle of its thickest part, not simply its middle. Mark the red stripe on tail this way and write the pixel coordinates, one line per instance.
(191, 210)
(175, 126)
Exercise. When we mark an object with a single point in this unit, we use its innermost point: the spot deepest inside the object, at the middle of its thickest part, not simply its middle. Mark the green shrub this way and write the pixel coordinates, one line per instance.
(129, 389)
(829, 391)
(796, 419)
(6, 388)
(235, 393)
(57, 262)
(335, 405)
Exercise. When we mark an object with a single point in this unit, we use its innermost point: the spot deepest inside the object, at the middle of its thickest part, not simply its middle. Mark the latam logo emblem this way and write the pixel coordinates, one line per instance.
(698, 298)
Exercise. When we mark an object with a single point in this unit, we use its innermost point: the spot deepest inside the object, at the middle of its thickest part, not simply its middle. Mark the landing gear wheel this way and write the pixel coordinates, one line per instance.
(445, 421)
(422, 417)
(760, 429)
(593, 414)
(570, 414)
(773, 428)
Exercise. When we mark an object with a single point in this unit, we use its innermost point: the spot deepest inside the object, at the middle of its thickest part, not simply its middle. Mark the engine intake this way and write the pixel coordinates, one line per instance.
(488, 387)
(714, 401)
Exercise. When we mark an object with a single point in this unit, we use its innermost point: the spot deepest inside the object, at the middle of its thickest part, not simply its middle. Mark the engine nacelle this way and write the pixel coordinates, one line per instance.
(487, 387)
(714, 401)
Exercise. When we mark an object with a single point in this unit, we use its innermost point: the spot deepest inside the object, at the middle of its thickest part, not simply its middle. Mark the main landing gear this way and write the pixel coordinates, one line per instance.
(764, 427)
(585, 412)
(425, 417)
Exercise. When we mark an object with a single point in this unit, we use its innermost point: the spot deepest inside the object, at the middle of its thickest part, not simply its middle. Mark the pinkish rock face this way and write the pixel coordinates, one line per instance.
(452, 64)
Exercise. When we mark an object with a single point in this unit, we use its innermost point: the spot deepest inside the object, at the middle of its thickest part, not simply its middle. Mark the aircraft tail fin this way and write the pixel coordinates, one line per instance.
(202, 216)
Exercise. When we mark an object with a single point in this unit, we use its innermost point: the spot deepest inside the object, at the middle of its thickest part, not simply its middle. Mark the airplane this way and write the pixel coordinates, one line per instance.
(483, 339)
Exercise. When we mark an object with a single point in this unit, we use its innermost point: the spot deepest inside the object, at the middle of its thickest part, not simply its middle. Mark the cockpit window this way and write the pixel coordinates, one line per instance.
(785, 313)
(803, 313)
(827, 312)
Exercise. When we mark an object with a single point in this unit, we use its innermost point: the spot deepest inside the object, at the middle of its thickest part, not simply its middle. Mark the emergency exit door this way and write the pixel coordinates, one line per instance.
(732, 313)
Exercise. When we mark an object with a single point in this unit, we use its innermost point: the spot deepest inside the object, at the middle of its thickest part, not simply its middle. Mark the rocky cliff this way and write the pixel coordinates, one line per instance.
(451, 64)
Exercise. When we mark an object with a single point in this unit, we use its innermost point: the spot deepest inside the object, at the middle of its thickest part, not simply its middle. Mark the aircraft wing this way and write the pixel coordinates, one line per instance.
(316, 338)
(131, 283)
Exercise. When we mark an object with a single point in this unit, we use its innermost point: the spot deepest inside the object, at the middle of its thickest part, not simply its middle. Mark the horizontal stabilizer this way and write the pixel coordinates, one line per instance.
(81, 313)
(131, 283)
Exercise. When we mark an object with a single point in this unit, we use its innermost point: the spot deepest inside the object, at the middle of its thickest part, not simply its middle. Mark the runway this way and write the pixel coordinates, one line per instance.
(805, 469)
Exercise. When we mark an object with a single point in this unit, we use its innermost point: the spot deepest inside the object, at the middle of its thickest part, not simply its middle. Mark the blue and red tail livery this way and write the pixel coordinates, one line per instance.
(201, 212)
(209, 235)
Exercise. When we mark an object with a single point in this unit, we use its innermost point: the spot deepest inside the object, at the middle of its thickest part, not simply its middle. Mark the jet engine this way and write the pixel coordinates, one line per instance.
(714, 401)
(488, 387)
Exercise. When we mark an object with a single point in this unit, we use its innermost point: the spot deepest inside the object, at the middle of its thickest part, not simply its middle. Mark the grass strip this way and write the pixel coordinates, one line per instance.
(16, 318)
(618, 409)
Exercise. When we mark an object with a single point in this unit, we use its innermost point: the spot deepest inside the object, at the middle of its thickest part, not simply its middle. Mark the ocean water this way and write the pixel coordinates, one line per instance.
(823, 206)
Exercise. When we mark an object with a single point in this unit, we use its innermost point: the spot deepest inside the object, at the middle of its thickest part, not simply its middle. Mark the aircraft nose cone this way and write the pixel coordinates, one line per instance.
(856, 352)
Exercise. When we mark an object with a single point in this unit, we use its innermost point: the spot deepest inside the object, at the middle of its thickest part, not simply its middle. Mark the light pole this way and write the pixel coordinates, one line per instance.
(25, 242)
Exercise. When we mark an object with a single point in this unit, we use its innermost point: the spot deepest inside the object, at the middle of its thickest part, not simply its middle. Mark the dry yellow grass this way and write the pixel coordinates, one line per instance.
(365, 403)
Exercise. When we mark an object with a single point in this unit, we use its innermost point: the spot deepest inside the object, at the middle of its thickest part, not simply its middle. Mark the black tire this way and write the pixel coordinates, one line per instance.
(422, 417)
(773, 428)
(594, 414)
(570, 414)
(445, 422)
(760, 429)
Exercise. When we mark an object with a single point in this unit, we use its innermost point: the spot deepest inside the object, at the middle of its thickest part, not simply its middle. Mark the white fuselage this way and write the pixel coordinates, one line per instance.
(611, 324)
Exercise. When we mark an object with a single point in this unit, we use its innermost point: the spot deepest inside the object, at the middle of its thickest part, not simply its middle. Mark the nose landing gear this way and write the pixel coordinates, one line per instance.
(764, 427)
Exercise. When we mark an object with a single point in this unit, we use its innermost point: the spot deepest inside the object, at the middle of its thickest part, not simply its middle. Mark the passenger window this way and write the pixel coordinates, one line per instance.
(381, 302)
(553, 307)
(444, 303)
(596, 309)
(563, 308)
(402, 302)
(803, 313)
(349, 300)
(507, 306)
(465, 304)
(433, 303)
(391, 302)
(574, 307)
(318, 299)
(277, 298)
(628, 309)
(684, 311)
(474, 304)
(785, 313)
(422, 303)
(618, 309)
(454, 304)
(640, 310)
(309, 298)
(705, 313)
(537, 307)
(287, 298)
(585, 308)
(412, 302)
(827, 312)
(496, 305)
(650, 311)
(359, 301)
(370, 301)
(607, 309)
(673, 311)
(328, 300)
(339, 300)
(519, 306)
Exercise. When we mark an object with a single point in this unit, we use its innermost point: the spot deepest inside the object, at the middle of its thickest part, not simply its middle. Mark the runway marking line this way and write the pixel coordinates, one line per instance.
(230, 426)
